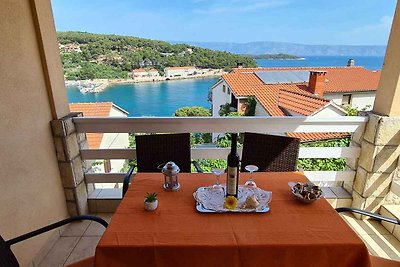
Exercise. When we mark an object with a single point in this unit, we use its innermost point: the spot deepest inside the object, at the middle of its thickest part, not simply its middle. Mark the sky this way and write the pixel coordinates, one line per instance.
(340, 22)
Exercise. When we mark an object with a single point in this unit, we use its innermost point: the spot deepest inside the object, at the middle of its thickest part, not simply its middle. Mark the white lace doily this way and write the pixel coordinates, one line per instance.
(214, 198)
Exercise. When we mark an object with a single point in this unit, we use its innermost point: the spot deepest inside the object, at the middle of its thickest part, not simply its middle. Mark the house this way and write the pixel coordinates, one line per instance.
(180, 71)
(142, 73)
(153, 73)
(138, 73)
(296, 91)
(69, 48)
(104, 140)
(355, 86)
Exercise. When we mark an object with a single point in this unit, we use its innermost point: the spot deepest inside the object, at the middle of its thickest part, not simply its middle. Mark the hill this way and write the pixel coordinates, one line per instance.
(88, 56)
(256, 48)
(274, 56)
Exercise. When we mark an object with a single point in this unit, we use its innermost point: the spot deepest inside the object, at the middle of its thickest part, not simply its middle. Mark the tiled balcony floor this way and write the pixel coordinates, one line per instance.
(79, 240)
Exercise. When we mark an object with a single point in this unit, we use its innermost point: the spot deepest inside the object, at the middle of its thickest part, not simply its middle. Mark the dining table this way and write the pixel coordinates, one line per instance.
(291, 233)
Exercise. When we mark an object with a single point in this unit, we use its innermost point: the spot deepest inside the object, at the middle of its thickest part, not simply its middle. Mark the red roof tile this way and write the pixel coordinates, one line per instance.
(98, 109)
(300, 103)
(138, 70)
(308, 137)
(244, 82)
(296, 96)
(338, 79)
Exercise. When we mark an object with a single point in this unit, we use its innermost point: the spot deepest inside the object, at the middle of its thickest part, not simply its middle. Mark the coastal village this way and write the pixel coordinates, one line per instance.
(277, 92)
(146, 75)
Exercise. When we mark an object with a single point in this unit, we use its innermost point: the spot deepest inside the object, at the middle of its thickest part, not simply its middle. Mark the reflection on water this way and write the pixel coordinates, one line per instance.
(151, 99)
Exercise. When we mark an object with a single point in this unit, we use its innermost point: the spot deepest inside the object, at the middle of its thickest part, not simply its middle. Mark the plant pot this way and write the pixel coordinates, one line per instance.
(150, 206)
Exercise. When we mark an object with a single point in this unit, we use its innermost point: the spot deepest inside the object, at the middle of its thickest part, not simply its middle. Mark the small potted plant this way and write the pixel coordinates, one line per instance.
(150, 201)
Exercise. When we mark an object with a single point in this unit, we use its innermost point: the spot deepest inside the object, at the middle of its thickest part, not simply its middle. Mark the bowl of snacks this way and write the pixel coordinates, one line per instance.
(305, 192)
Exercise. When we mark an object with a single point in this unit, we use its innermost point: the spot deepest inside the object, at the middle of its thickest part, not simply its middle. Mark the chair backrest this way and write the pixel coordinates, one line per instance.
(153, 150)
(7, 258)
(270, 153)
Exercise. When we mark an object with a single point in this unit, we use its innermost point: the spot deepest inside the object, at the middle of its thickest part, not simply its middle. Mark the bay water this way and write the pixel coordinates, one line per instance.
(163, 98)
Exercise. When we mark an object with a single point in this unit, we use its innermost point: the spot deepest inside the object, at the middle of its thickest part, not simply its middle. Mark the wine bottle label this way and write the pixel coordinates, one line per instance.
(231, 181)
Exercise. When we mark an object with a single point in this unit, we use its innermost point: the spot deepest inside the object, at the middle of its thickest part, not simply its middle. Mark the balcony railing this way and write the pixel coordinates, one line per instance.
(277, 125)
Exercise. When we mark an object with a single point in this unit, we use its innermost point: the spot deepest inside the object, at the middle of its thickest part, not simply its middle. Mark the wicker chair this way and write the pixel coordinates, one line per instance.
(8, 259)
(270, 153)
(154, 150)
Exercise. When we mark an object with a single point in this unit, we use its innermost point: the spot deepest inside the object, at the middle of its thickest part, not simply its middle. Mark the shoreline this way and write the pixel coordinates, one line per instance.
(99, 85)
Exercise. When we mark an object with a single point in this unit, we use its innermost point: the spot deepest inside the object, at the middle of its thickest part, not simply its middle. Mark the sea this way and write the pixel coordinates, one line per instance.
(161, 99)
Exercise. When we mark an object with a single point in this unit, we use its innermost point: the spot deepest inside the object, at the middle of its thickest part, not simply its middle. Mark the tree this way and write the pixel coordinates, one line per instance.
(192, 112)
(123, 53)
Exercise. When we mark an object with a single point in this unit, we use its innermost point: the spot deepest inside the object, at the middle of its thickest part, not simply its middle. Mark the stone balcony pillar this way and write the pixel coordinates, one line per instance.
(380, 142)
(377, 164)
(67, 144)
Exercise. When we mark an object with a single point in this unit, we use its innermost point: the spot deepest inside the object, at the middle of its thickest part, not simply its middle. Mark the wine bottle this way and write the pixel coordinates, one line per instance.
(232, 181)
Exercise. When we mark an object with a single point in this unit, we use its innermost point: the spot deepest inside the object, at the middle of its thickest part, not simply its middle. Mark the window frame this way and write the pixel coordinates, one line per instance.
(349, 98)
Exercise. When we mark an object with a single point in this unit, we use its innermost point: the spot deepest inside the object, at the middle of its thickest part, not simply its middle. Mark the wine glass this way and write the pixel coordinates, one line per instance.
(217, 173)
(251, 169)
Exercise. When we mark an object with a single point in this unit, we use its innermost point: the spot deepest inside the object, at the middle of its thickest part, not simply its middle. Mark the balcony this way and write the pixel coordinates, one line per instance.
(337, 190)
(274, 125)
(36, 162)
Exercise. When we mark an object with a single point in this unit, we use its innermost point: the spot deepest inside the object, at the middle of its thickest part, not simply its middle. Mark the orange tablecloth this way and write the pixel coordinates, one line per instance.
(290, 234)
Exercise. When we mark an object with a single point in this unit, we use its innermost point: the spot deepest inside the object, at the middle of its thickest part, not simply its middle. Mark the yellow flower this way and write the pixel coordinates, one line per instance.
(230, 202)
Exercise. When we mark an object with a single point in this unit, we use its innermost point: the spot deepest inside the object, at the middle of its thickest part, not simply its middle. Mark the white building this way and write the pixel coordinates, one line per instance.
(180, 71)
(104, 140)
(69, 48)
(139, 74)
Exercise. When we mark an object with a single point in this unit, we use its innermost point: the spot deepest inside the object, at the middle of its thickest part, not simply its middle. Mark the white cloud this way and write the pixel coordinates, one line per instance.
(384, 24)
(370, 33)
(236, 6)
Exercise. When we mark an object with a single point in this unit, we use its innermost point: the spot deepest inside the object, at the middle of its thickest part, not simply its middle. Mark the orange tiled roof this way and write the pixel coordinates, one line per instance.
(296, 96)
(338, 79)
(98, 109)
(244, 82)
(308, 137)
(303, 104)
(138, 70)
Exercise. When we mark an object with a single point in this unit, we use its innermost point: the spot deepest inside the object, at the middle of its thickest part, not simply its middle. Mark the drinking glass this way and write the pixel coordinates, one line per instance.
(217, 173)
(251, 169)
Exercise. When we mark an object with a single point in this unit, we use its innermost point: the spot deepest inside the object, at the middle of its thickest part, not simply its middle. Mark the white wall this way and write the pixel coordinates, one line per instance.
(31, 191)
(219, 98)
(116, 140)
(140, 74)
(360, 100)
(336, 98)
(113, 140)
(363, 101)
(153, 74)
(179, 72)
(329, 111)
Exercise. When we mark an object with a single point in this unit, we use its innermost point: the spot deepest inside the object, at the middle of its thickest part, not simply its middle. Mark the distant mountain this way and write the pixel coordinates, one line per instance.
(256, 48)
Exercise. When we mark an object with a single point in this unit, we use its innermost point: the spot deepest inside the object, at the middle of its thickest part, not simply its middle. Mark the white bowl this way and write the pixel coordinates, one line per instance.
(299, 196)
